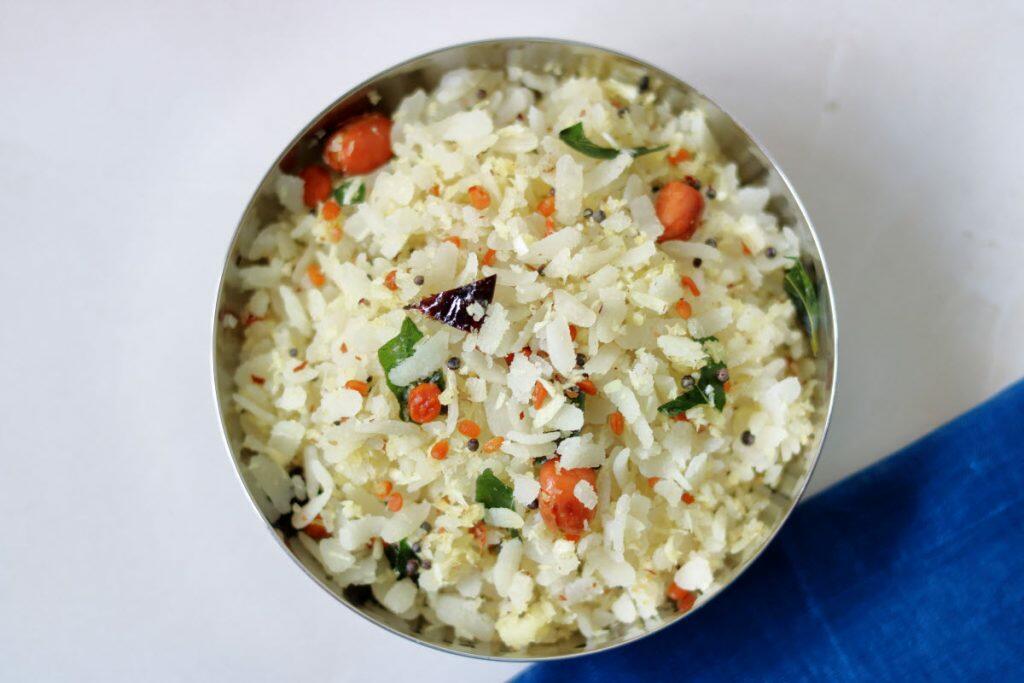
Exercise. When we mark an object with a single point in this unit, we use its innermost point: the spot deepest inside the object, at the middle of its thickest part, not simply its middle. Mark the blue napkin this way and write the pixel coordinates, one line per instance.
(910, 570)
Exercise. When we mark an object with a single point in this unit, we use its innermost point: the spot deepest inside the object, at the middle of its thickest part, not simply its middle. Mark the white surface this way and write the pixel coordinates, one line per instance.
(131, 137)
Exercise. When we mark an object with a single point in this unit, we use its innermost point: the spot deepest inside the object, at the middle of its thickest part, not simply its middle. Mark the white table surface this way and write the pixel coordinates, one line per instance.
(132, 134)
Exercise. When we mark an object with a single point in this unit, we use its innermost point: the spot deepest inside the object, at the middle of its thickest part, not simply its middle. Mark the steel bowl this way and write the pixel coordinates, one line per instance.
(754, 165)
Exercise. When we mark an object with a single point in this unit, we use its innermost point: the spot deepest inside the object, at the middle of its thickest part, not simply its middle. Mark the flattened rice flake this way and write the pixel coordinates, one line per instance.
(585, 338)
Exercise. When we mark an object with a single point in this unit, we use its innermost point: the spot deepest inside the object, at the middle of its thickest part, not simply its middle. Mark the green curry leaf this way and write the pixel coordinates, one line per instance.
(398, 555)
(493, 492)
(707, 389)
(350, 192)
(578, 140)
(396, 350)
(803, 291)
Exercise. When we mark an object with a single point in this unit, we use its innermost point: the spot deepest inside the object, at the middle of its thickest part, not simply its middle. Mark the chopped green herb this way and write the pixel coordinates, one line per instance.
(802, 289)
(398, 555)
(577, 139)
(493, 492)
(712, 346)
(350, 192)
(708, 389)
(579, 401)
(397, 350)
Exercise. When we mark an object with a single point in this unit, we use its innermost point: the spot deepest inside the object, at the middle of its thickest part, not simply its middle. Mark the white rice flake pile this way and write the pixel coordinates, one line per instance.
(585, 333)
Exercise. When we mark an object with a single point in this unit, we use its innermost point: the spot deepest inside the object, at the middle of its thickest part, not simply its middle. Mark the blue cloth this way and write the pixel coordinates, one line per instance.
(911, 570)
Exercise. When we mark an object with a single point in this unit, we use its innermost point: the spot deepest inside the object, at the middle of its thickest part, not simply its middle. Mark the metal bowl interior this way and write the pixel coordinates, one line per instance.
(755, 167)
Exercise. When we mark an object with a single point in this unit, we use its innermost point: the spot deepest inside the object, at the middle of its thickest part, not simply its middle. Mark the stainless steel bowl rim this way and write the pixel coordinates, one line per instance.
(825, 283)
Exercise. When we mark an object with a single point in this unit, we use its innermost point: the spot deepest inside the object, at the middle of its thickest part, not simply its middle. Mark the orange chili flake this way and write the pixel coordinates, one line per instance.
(746, 249)
(316, 276)
(395, 502)
(493, 444)
(344, 347)
(617, 423)
(573, 332)
(587, 387)
(356, 385)
(684, 599)
(680, 417)
(468, 428)
(546, 207)
(651, 481)
(690, 285)
(256, 379)
(316, 529)
(479, 199)
(454, 240)
(335, 234)
(439, 451)
(679, 157)
(688, 498)
(684, 309)
(330, 210)
(727, 387)
(389, 280)
(540, 394)
(250, 319)
(382, 489)
(549, 226)
(488, 259)
(479, 532)
(436, 190)
(301, 366)
(526, 351)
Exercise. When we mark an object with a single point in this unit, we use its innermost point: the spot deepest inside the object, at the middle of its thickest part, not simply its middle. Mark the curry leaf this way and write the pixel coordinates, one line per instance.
(350, 192)
(493, 492)
(579, 401)
(802, 289)
(578, 140)
(398, 555)
(708, 389)
(397, 350)
(712, 346)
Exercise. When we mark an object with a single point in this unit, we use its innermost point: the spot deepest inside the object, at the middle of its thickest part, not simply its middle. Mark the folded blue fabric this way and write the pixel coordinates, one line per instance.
(910, 570)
